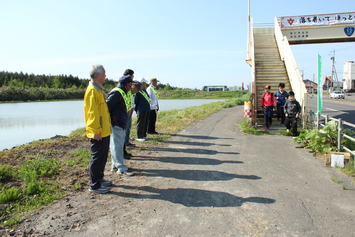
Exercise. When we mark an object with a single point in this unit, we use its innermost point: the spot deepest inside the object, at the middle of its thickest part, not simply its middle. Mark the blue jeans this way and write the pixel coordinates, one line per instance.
(268, 115)
(116, 146)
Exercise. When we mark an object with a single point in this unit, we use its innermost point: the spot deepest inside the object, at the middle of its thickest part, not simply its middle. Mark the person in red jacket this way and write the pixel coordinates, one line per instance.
(268, 103)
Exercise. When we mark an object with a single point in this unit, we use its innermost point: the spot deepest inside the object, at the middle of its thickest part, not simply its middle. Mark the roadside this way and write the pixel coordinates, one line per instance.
(210, 180)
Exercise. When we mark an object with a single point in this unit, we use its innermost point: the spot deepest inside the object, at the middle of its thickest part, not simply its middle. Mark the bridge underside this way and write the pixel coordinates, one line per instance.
(323, 41)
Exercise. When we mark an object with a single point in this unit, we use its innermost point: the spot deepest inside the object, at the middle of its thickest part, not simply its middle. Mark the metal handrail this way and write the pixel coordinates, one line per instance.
(340, 130)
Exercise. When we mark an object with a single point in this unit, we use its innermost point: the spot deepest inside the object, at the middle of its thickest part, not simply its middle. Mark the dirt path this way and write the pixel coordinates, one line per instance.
(210, 180)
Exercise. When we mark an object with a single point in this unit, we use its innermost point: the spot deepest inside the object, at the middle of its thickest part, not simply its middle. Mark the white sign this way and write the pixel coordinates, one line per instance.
(318, 20)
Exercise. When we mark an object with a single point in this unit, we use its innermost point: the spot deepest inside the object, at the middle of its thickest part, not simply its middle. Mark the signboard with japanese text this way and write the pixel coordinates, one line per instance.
(318, 20)
(321, 28)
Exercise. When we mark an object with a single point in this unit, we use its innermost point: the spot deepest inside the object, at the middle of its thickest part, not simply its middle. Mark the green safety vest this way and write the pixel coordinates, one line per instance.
(146, 96)
(127, 98)
(155, 92)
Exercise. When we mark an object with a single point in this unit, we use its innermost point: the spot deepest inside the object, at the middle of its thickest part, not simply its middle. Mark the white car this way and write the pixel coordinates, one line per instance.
(337, 95)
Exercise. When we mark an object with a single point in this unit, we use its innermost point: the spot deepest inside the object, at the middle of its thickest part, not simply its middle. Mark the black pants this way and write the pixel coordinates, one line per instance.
(152, 121)
(142, 124)
(280, 113)
(98, 159)
(291, 123)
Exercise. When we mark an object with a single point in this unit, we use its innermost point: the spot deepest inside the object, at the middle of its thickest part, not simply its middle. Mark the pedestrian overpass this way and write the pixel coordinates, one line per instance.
(270, 56)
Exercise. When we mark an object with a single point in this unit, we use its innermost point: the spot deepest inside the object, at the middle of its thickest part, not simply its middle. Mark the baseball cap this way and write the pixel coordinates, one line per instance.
(267, 87)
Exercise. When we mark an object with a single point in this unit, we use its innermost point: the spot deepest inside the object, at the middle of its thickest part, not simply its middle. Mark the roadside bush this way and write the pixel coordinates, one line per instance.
(325, 139)
(10, 194)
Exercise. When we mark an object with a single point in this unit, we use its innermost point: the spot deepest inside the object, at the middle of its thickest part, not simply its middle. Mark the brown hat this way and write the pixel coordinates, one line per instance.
(267, 87)
(154, 79)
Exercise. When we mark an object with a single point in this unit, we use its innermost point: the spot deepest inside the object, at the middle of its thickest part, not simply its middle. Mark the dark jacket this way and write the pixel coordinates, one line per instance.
(117, 108)
(292, 108)
(282, 97)
(141, 103)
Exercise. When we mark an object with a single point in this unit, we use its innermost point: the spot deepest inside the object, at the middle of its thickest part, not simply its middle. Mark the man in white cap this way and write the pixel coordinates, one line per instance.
(154, 106)
(142, 107)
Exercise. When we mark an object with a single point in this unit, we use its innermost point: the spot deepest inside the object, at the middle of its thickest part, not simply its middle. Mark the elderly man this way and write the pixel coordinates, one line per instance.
(119, 103)
(98, 129)
(142, 107)
(154, 106)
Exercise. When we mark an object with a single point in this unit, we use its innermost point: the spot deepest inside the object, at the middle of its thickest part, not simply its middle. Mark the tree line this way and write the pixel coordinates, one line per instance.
(21, 86)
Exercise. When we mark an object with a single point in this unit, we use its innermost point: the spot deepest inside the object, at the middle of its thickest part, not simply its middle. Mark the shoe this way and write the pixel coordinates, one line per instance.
(100, 190)
(105, 183)
(153, 132)
(265, 129)
(270, 124)
(140, 139)
(125, 173)
(146, 138)
(130, 144)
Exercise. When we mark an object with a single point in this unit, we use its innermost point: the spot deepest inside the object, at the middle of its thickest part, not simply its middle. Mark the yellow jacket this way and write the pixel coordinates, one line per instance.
(97, 116)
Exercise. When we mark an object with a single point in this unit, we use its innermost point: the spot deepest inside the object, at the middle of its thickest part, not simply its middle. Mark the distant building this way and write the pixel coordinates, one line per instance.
(215, 88)
(311, 86)
(349, 76)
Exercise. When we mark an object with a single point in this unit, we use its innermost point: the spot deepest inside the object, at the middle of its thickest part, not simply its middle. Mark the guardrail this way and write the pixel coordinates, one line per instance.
(340, 121)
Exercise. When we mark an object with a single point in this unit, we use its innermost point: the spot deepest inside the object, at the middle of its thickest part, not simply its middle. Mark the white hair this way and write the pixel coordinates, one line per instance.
(96, 69)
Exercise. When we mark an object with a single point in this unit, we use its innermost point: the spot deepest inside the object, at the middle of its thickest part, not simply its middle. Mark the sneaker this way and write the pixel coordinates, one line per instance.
(140, 139)
(100, 190)
(105, 183)
(146, 138)
(265, 129)
(125, 173)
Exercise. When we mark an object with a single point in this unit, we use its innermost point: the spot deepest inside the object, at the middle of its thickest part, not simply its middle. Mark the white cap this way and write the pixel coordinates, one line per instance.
(143, 80)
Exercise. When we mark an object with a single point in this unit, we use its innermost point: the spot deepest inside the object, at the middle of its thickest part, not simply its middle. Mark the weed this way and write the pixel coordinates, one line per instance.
(7, 172)
(335, 180)
(247, 128)
(10, 194)
(343, 186)
(349, 168)
(82, 159)
(41, 166)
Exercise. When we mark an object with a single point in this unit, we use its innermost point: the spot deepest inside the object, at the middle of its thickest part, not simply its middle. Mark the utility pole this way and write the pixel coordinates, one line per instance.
(334, 73)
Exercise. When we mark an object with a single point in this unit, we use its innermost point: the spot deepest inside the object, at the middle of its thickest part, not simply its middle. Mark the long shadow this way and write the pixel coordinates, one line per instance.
(195, 143)
(195, 151)
(196, 175)
(189, 160)
(201, 137)
(192, 197)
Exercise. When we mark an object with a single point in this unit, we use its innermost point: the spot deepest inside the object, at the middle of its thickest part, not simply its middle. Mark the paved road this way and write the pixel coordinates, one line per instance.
(212, 180)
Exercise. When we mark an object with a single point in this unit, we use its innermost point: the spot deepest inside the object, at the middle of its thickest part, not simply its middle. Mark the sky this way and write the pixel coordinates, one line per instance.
(184, 43)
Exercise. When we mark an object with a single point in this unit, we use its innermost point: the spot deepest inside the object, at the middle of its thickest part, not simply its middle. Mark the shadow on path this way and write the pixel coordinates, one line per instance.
(189, 160)
(196, 175)
(191, 197)
(195, 151)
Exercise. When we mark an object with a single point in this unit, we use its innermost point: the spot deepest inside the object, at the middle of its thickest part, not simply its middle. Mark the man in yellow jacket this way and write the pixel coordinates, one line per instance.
(98, 129)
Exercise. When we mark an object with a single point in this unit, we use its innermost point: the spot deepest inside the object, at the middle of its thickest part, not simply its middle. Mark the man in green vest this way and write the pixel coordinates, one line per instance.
(119, 104)
(154, 105)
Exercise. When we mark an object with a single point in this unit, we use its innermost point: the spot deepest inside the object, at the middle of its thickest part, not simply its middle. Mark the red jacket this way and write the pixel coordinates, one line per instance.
(268, 99)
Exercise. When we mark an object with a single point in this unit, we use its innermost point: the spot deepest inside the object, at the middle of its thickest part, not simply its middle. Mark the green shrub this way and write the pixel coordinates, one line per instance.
(40, 166)
(6, 172)
(35, 187)
(10, 194)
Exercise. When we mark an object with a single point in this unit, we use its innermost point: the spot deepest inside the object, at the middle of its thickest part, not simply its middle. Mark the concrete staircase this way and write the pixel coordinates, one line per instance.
(269, 68)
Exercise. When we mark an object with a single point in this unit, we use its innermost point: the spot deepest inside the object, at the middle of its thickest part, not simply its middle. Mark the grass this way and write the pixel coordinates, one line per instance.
(35, 192)
(335, 180)
(247, 128)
